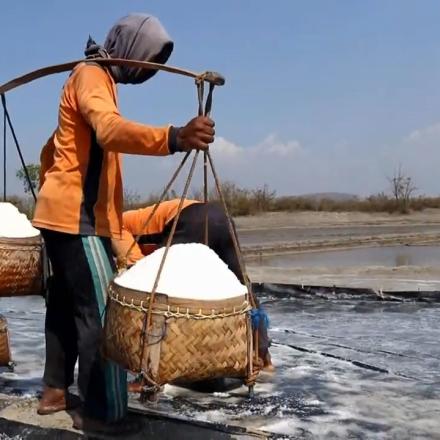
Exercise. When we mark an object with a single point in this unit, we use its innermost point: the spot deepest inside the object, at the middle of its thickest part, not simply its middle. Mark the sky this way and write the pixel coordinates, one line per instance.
(320, 95)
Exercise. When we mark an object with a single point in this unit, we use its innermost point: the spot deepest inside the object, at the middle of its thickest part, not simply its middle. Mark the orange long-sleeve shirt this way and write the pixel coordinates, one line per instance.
(81, 177)
(134, 224)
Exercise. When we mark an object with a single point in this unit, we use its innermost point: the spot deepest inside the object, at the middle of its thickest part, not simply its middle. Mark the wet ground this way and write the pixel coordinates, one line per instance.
(285, 234)
(346, 368)
(390, 256)
(390, 268)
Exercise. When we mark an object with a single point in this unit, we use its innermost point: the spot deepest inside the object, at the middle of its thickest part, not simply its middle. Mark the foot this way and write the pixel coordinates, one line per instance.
(136, 385)
(268, 366)
(56, 399)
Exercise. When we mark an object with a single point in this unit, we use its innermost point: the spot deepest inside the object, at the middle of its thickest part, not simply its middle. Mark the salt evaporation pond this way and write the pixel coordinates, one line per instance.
(280, 235)
(311, 395)
(387, 256)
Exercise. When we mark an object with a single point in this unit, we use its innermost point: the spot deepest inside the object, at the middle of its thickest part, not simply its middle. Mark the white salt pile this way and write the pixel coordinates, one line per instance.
(191, 270)
(14, 224)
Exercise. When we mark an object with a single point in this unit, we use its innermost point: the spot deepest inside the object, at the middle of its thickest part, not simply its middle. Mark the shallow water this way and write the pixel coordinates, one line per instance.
(316, 396)
(311, 395)
(25, 316)
(389, 256)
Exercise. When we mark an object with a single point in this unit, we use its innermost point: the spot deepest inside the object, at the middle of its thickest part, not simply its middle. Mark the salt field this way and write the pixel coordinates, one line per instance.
(385, 256)
(345, 368)
(347, 365)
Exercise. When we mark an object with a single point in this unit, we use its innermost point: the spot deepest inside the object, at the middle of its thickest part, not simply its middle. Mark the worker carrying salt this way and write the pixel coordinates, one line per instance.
(153, 233)
(79, 209)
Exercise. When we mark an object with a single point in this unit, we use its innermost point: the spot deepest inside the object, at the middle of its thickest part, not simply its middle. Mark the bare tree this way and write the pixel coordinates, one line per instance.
(402, 188)
(132, 198)
(33, 171)
(263, 198)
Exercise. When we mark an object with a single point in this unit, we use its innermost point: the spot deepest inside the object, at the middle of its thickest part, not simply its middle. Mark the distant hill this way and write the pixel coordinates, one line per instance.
(335, 196)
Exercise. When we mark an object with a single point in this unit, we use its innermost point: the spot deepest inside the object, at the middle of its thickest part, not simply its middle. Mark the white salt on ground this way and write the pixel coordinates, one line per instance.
(191, 270)
(14, 224)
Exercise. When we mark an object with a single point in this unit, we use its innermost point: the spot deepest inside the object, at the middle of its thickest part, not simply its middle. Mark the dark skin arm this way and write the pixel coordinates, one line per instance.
(197, 134)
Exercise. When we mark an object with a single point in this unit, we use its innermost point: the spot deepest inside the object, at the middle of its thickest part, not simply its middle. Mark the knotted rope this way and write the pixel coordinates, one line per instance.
(254, 365)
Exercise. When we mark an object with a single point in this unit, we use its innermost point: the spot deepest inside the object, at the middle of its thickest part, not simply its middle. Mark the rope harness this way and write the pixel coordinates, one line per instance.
(203, 109)
(7, 121)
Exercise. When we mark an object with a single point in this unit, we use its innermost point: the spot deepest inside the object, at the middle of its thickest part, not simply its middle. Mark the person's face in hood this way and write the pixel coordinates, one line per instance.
(138, 37)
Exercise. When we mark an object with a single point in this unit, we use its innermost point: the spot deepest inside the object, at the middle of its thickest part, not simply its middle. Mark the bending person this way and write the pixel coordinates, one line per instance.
(190, 228)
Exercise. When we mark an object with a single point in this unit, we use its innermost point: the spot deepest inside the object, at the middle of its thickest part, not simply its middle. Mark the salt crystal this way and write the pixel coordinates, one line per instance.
(191, 270)
(14, 224)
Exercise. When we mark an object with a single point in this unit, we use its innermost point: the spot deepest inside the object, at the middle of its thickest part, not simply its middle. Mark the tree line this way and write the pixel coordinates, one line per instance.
(400, 197)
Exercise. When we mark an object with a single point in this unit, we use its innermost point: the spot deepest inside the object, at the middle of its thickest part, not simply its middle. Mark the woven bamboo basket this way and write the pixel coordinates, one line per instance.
(5, 350)
(189, 340)
(21, 266)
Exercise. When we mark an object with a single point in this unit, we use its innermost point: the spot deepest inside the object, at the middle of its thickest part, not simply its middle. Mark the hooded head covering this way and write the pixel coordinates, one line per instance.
(138, 37)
